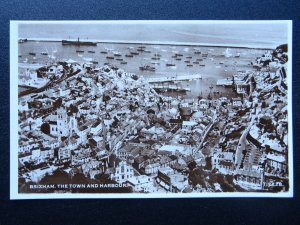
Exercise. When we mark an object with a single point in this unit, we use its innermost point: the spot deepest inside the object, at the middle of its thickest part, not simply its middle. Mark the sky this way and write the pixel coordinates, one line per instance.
(263, 34)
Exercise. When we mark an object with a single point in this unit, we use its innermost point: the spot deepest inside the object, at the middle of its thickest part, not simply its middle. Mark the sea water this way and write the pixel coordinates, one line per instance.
(217, 66)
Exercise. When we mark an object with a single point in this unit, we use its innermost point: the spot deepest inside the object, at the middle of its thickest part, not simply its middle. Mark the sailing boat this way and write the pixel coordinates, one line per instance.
(170, 64)
(227, 53)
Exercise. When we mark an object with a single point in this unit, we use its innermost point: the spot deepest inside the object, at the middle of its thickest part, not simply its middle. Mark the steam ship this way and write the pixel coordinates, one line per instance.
(78, 43)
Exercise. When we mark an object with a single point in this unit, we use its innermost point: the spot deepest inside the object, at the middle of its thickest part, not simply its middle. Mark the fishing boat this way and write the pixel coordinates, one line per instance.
(189, 65)
(237, 55)
(94, 62)
(157, 55)
(79, 51)
(117, 54)
(119, 59)
(134, 53)
(155, 58)
(103, 52)
(32, 53)
(123, 62)
(147, 51)
(196, 62)
(189, 57)
(170, 64)
(178, 59)
(147, 68)
(197, 52)
(91, 51)
(44, 53)
(199, 59)
(110, 57)
(128, 55)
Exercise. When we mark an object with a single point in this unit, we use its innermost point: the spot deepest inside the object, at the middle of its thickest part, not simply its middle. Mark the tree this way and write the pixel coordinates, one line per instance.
(197, 176)
(73, 109)
(192, 165)
(45, 128)
(57, 103)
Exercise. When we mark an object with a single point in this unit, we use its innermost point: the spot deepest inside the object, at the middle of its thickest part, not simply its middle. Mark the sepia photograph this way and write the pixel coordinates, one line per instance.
(150, 109)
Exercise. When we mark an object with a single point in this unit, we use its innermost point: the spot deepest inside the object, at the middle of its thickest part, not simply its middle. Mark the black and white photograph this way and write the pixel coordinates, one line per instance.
(150, 109)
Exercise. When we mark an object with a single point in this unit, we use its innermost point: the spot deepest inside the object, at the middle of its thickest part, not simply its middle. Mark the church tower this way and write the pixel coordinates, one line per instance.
(62, 122)
(73, 126)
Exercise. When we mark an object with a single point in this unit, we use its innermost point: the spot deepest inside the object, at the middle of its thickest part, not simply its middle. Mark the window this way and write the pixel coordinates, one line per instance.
(122, 169)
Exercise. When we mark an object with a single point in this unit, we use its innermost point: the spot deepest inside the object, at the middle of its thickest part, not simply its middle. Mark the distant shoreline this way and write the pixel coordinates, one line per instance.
(188, 44)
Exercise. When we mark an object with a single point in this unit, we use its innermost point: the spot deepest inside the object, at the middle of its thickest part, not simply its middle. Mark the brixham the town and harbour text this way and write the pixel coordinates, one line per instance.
(149, 118)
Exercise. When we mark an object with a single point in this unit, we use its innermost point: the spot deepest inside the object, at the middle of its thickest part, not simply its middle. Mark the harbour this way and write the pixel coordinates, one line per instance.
(154, 62)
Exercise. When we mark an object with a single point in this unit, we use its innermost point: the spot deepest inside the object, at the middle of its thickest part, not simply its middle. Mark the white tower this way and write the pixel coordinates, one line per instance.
(73, 126)
(62, 122)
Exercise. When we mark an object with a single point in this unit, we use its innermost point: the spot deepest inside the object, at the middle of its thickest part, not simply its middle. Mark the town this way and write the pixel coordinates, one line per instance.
(103, 124)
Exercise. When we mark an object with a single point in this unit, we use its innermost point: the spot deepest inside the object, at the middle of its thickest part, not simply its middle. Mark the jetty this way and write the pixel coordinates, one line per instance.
(225, 82)
(174, 78)
(170, 88)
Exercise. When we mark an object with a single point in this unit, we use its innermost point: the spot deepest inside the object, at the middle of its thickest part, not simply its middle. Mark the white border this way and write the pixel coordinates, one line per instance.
(14, 117)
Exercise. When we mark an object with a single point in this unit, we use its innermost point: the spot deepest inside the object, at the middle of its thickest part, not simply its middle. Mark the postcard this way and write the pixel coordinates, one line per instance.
(150, 109)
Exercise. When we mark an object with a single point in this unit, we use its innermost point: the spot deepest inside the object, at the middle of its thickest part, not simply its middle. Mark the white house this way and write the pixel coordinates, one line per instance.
(188, 125)
(141, 183)
(64, 154)
(236, 102)
(123, 172)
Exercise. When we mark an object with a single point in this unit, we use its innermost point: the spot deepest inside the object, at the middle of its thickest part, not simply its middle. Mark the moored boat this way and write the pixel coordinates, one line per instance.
(117, 54)
(170, 64)
(155, 58)
(78, 43)
(147, 68)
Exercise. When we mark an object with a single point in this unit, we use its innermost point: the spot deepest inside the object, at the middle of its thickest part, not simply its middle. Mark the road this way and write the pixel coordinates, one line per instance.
(242, 144)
